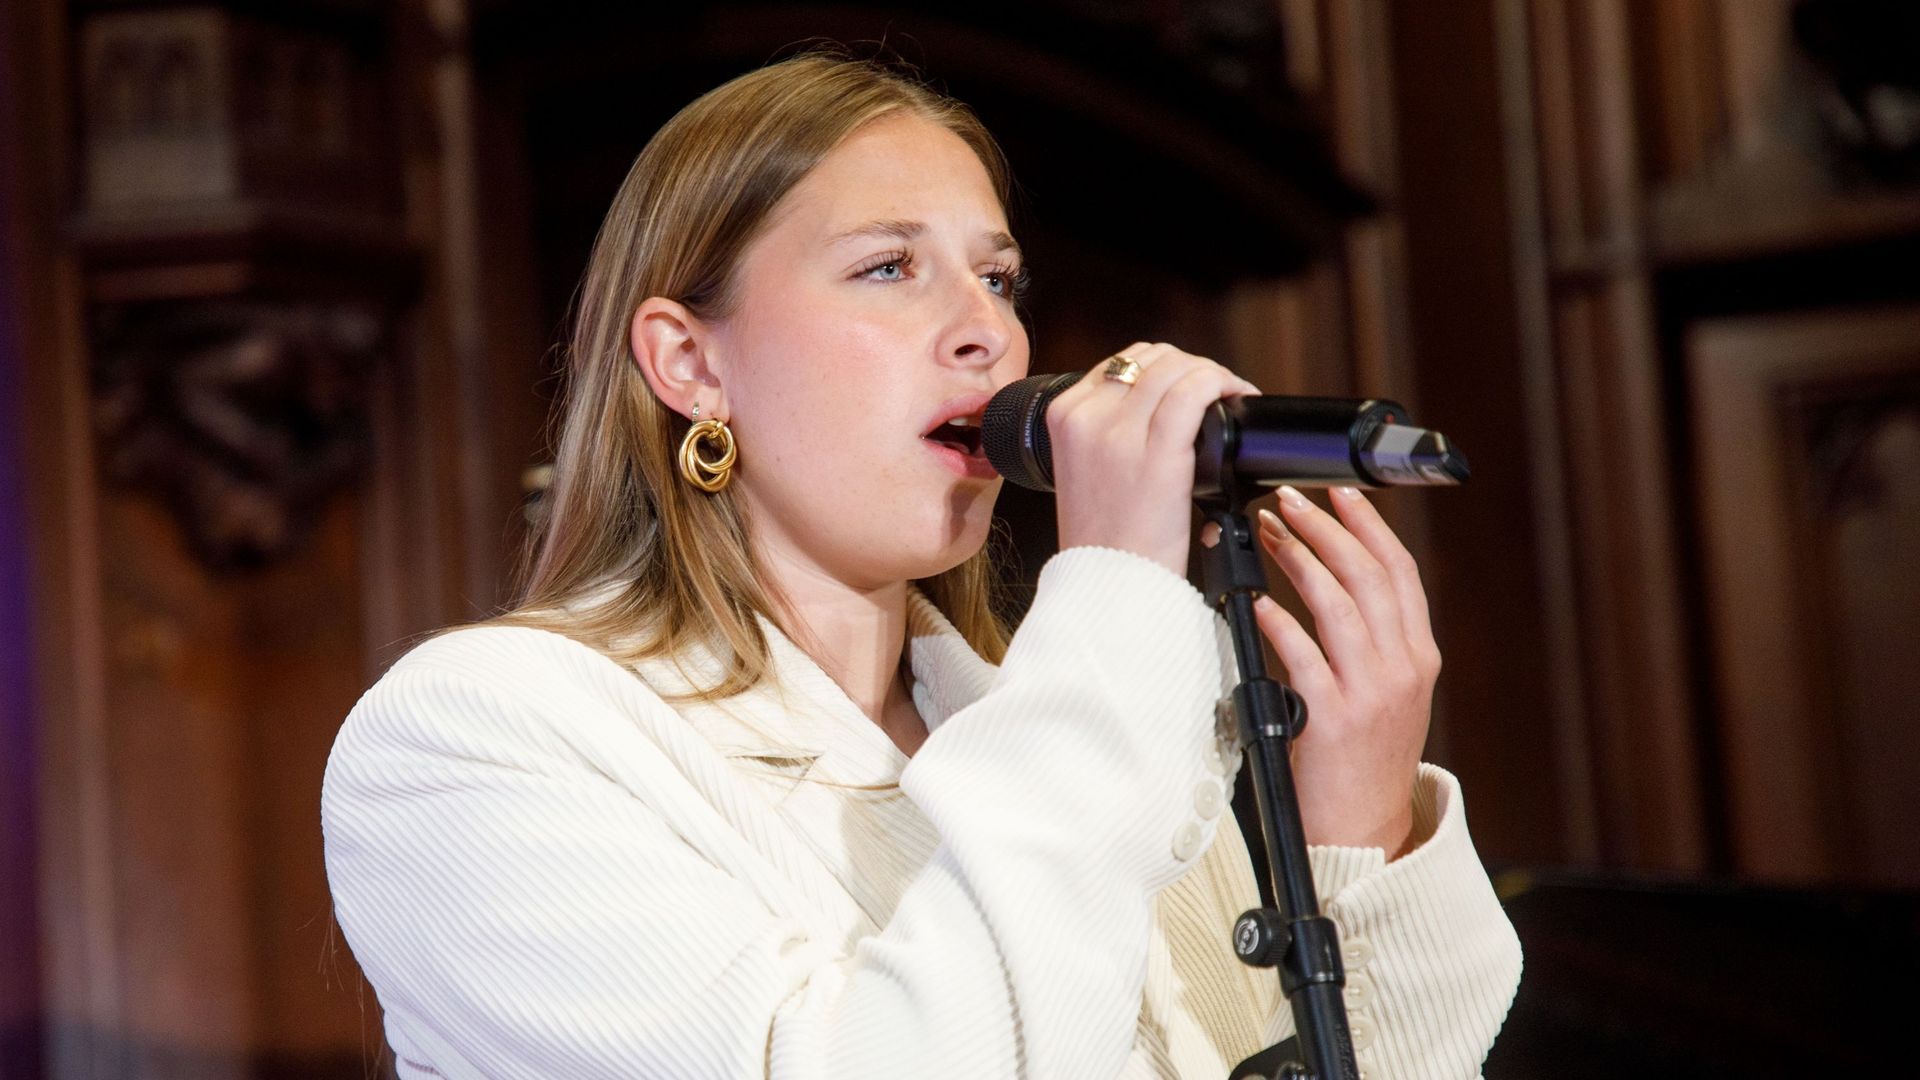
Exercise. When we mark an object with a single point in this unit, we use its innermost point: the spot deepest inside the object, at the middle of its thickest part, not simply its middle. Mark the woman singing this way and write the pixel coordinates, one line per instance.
(752, 783)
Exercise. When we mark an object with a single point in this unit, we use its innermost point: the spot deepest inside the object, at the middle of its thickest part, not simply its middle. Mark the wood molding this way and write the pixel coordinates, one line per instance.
(23, 331)
(1764, 149)
(1680, 70)
(1633, 639)
(1550, 514)
(1781, 724)
(79, 932)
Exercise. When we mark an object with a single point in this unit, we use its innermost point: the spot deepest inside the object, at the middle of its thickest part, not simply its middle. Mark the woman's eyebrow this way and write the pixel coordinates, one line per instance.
(899, 229)
(893, 227)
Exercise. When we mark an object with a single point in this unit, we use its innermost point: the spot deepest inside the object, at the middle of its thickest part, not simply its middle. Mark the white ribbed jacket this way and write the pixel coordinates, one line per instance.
(546, 871)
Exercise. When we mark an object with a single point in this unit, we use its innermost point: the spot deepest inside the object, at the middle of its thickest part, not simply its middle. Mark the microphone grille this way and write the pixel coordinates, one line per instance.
(1013, 429)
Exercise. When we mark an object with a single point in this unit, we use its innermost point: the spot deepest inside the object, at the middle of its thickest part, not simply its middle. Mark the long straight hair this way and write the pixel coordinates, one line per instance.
(670, 565)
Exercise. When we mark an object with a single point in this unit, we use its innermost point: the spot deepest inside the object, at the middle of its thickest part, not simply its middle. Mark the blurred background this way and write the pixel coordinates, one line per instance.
(283, 283)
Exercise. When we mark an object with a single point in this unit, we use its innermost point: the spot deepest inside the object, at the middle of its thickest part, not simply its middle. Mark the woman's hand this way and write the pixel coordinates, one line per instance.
(1369, 694)
(1123, 461)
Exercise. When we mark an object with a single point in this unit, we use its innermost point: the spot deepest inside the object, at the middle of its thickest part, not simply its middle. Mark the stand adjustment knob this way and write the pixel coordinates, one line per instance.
(1261, 938)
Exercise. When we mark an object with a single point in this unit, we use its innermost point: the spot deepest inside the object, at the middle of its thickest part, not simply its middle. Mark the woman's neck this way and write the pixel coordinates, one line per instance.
(857, 636)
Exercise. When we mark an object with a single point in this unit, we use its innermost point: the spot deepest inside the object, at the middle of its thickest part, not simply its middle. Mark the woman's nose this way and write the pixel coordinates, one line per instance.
(982, 328)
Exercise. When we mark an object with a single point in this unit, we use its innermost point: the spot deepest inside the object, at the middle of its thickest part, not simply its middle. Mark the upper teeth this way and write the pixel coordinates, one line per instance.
(961, 421)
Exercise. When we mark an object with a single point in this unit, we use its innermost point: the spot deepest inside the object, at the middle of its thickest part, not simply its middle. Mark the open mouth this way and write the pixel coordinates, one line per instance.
(959, 433)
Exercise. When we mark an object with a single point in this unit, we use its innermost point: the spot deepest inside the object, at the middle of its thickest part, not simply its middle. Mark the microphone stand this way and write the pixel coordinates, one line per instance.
(1267, 715)
(1317, 441)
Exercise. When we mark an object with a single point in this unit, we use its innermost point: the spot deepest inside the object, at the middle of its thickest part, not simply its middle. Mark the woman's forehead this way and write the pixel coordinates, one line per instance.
(895, 173)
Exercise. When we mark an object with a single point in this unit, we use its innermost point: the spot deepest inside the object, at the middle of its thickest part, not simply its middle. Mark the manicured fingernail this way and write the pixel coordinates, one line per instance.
(1271, 521)
(1265, 603)
(1347, 492)
(1293, 498)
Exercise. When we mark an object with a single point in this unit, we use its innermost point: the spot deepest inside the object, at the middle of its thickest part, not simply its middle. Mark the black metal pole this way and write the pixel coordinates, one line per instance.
(1303, 944)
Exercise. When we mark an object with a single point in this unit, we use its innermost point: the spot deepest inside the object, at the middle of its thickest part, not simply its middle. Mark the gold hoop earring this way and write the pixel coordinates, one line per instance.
(708, 476)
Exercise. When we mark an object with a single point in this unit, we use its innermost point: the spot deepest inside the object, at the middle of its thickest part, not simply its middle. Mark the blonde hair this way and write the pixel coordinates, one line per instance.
(617, 514)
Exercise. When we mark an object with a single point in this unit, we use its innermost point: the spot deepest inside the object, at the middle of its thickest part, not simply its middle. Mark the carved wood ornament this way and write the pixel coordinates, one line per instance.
(241, 262)
(245, 416)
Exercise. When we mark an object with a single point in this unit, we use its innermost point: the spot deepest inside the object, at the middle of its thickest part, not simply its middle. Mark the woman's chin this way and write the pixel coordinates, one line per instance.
(923, 545)
(956, 549)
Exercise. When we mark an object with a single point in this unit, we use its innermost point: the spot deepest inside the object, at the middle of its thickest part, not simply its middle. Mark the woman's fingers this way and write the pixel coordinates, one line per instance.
(1366, 583)
(1368, 681)
(1306, 666)
(1365, 523)
(1177, 415)
(1350, 648)
(1161, 368)
(1095, 382)
(1123, 455)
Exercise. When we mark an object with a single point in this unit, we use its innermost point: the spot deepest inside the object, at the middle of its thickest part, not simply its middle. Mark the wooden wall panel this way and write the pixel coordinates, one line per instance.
(1808, 428)
(19, 847)
(79, 994)
(23, 326)
(295, 656)
(1676, 43)
(1681, 135)
(1487, 572)
(186, 699)
(1869, 632)
(222, 695)
(1540, 161)
(1638, 688)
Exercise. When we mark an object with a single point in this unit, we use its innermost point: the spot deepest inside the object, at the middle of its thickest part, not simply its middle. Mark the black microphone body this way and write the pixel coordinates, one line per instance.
(1260, 440)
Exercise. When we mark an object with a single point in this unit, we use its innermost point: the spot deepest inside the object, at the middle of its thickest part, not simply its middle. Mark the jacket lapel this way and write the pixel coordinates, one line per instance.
(828, 771)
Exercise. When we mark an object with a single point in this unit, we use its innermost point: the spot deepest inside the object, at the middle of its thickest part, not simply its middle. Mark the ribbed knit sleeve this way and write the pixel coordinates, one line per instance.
(1431, 960)
(522, 914)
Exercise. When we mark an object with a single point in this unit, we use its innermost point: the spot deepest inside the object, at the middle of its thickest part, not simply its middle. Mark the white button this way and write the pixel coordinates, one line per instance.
(1186, 842)
(1362, 1031)
(1221, 758)
(1216, 758)
(1358, 992)
(1355, 952)
(1207, 800)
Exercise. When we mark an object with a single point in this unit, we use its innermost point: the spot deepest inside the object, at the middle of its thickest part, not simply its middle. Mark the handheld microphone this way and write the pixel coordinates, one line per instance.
(1263, 440)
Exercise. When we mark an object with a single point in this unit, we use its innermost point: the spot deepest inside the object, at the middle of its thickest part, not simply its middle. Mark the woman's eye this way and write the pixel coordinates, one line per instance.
(891, 267)
(1008, 283)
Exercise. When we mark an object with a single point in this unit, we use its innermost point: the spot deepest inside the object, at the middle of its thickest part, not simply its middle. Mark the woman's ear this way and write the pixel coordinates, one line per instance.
(670, 344)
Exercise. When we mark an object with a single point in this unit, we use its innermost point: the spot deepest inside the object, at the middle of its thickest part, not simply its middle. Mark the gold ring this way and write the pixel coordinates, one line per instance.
(1122, 369)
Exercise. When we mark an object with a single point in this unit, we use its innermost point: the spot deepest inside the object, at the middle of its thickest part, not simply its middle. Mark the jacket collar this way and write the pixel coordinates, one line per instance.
(947, 674)
(807, 723)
